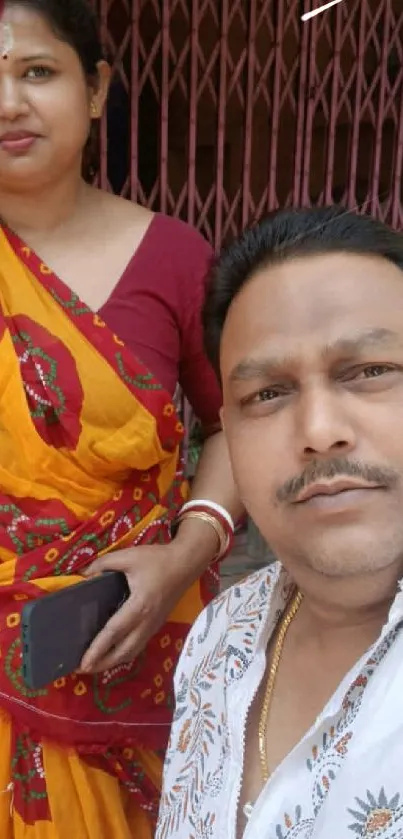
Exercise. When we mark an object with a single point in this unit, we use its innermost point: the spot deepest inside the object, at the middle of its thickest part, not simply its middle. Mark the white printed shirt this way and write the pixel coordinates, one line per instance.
(344, 779)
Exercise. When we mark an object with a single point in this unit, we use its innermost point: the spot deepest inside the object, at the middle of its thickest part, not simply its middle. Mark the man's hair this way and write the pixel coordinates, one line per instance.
(283, 236)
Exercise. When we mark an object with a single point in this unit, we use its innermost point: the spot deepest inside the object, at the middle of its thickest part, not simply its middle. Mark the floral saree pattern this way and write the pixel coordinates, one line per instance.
(89, 463)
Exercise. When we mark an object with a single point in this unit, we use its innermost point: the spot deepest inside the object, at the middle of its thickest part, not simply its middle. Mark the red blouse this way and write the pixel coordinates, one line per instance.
(156, 310)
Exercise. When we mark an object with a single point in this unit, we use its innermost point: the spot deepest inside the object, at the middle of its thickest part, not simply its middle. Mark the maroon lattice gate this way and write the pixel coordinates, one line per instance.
(223, 109)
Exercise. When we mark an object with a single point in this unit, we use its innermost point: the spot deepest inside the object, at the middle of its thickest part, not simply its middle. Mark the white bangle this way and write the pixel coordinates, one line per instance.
(211, 505)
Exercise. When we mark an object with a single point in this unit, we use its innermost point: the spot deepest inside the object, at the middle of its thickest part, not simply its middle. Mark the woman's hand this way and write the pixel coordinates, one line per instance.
(158, 575)
(157, 579)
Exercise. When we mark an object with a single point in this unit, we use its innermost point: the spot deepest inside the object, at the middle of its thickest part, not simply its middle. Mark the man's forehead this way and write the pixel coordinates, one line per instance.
(332, 298)
(324, 277)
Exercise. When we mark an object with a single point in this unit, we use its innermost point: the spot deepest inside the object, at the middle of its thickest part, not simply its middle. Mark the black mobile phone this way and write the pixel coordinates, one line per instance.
(58, 628)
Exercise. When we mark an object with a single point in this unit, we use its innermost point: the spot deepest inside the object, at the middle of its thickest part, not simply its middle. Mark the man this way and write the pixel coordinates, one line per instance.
(289, 716)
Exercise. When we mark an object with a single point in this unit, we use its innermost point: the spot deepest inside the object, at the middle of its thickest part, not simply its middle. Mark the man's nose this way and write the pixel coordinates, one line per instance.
(323, 425)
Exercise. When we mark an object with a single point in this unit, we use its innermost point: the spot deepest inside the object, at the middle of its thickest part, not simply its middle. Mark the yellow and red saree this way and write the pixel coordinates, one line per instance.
(89, 463)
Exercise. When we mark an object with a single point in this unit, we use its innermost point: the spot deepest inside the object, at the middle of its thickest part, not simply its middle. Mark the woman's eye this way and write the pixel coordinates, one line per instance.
(38, 72)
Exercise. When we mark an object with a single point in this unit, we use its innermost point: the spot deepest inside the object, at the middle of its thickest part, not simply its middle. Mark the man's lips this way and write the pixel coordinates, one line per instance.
(332, 488)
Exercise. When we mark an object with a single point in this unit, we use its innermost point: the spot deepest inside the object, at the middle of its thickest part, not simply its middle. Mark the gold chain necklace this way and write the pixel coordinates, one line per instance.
(262, 729)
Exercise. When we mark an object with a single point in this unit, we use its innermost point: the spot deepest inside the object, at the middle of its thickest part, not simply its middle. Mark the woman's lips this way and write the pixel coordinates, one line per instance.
(17, 142)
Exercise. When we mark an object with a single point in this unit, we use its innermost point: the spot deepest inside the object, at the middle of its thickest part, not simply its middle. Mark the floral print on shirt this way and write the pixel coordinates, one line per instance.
(218, 656)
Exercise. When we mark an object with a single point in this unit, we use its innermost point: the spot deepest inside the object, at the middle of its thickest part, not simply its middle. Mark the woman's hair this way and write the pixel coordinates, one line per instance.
(74, 22)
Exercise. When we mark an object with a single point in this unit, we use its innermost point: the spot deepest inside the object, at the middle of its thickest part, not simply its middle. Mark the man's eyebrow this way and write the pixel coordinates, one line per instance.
(257, 368)
(370, 338)
(266, 366)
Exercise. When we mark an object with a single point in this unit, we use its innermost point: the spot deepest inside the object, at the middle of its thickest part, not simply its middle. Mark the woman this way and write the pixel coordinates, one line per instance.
(89, 442)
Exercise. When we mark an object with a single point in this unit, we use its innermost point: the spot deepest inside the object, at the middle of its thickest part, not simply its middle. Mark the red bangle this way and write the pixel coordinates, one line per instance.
(192, 509)
(211, 511)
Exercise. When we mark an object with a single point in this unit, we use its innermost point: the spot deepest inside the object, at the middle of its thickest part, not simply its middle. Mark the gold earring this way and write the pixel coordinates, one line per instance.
(94, 110)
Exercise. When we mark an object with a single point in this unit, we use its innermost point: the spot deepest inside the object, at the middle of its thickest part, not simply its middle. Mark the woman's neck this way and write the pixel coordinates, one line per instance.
(55, 207)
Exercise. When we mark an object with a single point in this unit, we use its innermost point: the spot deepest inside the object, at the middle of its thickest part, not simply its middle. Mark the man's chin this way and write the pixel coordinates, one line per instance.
(350, 561)
(347, 551)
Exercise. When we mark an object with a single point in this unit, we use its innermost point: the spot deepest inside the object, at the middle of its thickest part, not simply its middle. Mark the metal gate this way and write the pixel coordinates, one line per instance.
(223, 109)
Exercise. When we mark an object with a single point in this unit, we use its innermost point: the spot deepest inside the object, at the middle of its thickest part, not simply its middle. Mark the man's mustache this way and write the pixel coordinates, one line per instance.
(320, 470)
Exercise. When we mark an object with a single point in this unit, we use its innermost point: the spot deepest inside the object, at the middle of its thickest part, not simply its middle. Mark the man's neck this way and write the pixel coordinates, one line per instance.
(32, 214)
(351, 606)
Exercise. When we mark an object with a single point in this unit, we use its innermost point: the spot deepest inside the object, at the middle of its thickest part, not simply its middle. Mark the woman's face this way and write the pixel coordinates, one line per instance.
(45, 103)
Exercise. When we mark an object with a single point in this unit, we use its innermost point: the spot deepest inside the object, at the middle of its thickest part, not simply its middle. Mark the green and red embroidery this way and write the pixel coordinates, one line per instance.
(51, 383)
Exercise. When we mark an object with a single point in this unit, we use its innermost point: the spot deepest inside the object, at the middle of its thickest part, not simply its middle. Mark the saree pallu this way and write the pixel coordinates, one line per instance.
(89, 463)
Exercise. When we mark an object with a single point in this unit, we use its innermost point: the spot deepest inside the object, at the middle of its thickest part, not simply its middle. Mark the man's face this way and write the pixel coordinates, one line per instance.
(312, 370)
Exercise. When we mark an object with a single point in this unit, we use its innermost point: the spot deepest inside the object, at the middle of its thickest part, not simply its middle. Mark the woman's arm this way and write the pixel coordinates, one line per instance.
(159, 575)
(196, 541)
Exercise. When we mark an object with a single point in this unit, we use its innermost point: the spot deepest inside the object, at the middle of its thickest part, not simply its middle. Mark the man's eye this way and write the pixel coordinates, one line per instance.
(373, 371)
(365, 373)
(267, 395)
